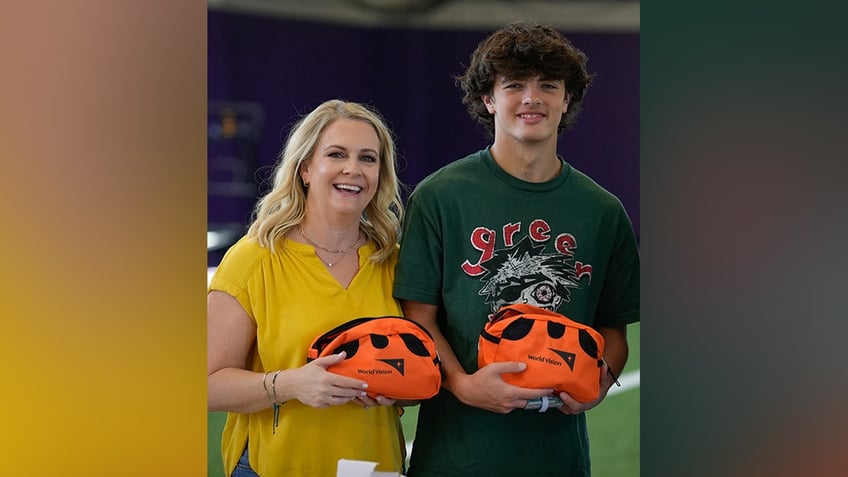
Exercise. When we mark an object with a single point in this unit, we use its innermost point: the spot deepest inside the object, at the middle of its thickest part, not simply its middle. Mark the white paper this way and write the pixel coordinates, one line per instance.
(361, 468)
(354, 468)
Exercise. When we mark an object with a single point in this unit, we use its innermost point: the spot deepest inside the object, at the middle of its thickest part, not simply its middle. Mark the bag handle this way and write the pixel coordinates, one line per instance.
(329, 336)
(322, 341)
(507, 311)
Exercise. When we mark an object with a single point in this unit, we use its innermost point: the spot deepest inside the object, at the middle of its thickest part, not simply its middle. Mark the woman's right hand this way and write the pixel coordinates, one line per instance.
(314, 386)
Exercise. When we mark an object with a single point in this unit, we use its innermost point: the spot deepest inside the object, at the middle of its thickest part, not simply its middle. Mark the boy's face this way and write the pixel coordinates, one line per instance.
(527, 110)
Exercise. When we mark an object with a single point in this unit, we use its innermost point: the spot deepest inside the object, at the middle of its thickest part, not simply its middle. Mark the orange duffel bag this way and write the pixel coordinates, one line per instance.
(396, 356)
(560, 353)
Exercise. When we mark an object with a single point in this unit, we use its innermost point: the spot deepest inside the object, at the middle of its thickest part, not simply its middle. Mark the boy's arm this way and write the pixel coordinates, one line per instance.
(485, 388)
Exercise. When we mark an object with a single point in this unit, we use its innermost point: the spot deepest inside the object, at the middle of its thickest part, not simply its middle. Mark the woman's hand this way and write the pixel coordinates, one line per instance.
(314, 386)
(367, 402)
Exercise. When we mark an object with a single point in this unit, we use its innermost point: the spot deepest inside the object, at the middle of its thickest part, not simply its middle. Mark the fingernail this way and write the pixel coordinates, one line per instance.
(364, 385)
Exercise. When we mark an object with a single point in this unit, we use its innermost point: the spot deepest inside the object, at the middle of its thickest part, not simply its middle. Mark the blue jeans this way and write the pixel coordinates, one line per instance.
(243, 468)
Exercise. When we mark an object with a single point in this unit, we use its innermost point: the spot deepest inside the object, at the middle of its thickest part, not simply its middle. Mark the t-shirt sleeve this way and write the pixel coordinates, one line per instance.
(619, 301)
(418, 276)
(233, 275)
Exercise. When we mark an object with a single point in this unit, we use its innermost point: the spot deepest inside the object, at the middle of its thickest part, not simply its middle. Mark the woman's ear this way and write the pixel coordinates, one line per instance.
(304, 174)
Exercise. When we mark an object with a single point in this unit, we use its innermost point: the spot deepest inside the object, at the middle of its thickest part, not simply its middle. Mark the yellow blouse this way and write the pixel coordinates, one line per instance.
(293, 298)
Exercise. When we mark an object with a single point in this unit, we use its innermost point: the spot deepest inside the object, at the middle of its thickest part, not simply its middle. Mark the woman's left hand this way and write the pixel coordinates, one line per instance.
(367, 402)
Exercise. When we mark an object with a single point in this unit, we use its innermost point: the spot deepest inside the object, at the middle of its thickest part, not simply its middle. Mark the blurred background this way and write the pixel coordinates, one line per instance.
(742, 145)
(271, 61)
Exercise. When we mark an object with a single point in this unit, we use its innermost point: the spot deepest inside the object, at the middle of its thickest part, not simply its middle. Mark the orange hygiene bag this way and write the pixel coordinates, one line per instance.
(396, 356)
(560, 353)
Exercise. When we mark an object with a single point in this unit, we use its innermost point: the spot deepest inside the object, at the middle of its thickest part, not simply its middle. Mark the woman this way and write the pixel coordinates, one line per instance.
(321, 251)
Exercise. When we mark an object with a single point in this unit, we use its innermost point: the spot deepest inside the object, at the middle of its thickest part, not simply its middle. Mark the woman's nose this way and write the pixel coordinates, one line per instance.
(351, 167)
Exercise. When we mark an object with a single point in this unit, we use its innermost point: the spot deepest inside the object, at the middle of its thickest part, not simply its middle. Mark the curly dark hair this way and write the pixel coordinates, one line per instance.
(520, 51)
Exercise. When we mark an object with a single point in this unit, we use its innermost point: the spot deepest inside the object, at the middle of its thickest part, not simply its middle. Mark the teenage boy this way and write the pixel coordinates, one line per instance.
(514, 223)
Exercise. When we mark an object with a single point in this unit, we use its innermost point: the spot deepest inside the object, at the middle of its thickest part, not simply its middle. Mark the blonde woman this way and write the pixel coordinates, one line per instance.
(321, 251)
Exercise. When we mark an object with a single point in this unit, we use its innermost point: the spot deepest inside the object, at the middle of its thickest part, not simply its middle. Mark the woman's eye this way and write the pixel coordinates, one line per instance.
(336, 154)
(368, 158)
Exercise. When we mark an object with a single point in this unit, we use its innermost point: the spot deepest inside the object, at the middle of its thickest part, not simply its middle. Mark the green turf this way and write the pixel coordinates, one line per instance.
(213, 443)
(633, 340)
(409, 420)
(613, 428)
(614, 425)
(614, 436)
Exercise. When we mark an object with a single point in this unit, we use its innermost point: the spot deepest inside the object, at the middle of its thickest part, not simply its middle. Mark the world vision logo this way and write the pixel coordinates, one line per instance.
(566, 356)
(394, 363)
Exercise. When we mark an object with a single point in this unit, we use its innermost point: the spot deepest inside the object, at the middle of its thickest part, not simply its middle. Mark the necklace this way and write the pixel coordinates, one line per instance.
(343, 251)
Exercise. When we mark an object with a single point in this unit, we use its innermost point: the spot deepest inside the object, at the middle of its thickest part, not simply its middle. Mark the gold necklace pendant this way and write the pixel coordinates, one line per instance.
(329, 250)
(328, 263)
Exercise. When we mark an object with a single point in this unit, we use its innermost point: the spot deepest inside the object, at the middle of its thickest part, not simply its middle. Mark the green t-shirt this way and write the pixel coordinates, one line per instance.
(475, 238)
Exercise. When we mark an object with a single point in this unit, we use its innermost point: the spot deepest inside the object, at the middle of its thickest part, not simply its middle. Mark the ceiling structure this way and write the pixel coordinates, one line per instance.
(572, 15)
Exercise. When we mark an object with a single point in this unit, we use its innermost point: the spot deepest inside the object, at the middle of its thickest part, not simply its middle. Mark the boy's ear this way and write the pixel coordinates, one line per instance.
(490, 104)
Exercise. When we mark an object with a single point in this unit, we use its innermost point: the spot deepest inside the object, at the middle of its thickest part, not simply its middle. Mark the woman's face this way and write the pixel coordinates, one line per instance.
(344, 171)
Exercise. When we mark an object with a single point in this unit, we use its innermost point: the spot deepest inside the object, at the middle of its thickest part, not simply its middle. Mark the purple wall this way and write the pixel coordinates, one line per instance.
(288, 67)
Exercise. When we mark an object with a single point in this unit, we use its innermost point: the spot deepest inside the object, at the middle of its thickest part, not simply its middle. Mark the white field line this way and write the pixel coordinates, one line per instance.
(628, 381)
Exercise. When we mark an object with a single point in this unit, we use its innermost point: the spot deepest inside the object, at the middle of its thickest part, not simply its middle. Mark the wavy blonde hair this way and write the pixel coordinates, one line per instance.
(284, 206)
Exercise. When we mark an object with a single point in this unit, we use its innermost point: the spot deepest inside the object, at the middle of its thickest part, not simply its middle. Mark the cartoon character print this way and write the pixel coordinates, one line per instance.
(522, 272)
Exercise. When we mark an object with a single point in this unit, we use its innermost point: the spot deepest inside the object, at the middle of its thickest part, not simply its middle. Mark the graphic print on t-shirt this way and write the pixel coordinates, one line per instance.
(521, 271)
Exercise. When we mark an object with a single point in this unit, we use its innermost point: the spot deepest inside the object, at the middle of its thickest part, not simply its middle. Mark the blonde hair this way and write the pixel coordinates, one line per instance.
(284, 206)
